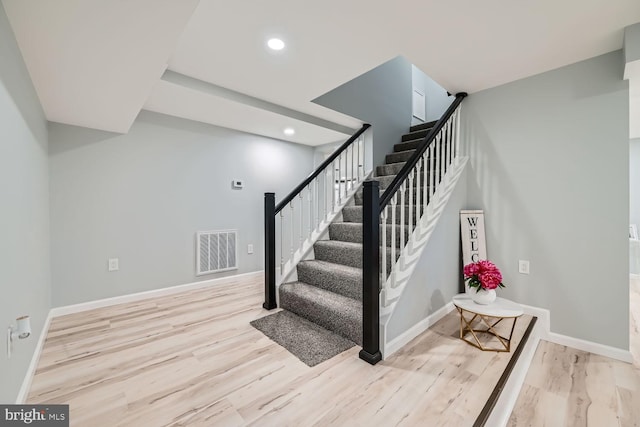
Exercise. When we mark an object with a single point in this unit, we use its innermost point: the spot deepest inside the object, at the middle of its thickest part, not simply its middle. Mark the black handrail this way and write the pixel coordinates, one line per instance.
(320, 168)
(386, 197)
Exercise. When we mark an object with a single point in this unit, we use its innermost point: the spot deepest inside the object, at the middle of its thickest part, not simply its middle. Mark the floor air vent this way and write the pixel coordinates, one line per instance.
(216, 251)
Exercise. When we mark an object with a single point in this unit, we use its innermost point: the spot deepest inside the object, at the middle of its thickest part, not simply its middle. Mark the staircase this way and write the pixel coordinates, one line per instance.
(328, 290)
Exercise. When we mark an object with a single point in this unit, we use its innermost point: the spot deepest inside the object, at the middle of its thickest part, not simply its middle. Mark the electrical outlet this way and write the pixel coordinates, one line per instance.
(523, 266)
(113, 264)
(250, 249)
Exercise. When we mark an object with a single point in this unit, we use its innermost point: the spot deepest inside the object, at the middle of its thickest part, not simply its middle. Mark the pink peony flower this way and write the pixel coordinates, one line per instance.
(486, 266)
(471, 269)
(490, 279)
(483, 274)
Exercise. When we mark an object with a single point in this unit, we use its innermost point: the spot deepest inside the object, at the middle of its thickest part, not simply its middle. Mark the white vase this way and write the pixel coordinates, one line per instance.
(484, 296)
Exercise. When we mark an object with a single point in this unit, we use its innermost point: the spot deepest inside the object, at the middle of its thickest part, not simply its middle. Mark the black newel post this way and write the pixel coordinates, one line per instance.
(269, 251)
(371, 273)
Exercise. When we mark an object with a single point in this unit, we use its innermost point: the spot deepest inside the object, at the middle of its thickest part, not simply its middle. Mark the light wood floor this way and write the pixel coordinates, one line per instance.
(193, 359)
(567, 387)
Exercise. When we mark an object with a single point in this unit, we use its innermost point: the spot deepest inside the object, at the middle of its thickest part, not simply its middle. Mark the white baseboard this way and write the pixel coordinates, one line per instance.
(591, 347)
(543, 324)
(402, 340)
(544, 318)
(106, 302)
(35, 358)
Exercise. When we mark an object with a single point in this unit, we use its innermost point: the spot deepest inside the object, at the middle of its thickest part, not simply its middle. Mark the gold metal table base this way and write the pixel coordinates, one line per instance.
(466, 328)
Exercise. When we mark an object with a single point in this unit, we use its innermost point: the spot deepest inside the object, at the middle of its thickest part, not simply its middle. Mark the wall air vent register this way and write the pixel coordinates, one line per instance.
(216, 251)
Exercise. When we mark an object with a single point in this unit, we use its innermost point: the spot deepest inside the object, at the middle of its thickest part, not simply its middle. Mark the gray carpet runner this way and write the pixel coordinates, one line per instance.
(328, 291)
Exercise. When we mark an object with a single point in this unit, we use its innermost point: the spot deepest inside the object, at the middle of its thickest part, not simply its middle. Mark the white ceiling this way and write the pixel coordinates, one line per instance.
(109, 55)
(93, 62)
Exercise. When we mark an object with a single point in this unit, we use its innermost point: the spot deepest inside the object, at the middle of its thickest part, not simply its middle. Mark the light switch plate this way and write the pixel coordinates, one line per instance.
(523, 266)
(114, 264)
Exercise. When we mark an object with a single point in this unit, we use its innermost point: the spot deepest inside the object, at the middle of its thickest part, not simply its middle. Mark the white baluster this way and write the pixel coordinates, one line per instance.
(292, 231)
(394, 203)
(445, 146)
(402, 214)
(458, 132)
(383, 227)
(417, 174)
(324, 198)
(363, 157)
(359, 142)
(353, 171)
(451, 136)
(410, 191)
(340, 178)
(425, 181)
(310, 210)
(281, 241)
(432, 166)
(333, 186)
(438, 158)
(316, 201)
(301, 196)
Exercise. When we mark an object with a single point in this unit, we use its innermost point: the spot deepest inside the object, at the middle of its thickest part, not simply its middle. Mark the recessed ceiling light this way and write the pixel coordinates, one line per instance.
(289, 131)
(275, 44)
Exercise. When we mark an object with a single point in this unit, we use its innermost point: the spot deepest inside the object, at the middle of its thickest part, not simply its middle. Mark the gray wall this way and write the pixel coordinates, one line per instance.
(437, 276)
(550, 157)
(142, 196)
(435, 96)
(634, 180)
(381, 97)
(24, 210)
(631, 45)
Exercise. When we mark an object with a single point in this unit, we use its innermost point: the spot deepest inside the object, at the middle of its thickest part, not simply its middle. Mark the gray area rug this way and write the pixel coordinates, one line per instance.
(307, 341)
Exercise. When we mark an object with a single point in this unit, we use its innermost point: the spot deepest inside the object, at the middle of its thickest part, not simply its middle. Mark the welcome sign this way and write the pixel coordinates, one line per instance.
(474, 246)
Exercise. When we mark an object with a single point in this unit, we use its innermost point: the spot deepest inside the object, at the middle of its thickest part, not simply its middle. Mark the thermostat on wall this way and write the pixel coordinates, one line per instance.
(237, 183)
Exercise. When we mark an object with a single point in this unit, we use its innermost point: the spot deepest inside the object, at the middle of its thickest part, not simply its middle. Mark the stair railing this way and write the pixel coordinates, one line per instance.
(408, 198)
(291, 227)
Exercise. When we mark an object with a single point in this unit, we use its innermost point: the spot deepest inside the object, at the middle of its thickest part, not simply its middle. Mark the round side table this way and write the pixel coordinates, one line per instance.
(471, 312)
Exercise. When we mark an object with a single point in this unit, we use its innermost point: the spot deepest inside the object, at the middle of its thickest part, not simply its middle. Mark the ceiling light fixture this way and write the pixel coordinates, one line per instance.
(289, 131)
(275, 44)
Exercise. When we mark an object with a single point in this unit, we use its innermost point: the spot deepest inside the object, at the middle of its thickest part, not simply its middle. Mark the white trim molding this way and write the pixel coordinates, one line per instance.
(35, 358)
(400, 341)
(544, 317)
(591, 347)
(122, 299)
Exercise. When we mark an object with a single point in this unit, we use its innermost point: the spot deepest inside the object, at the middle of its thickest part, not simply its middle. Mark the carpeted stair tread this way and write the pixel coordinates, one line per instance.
(358, 197)
(337, 278)
(423, 126)
(352, 232)
(400, 156)
(409, 145)
(345, 253)
(309, 342)
(420, 134)
(354, 214)
(330, 310)
(385, 181)
(389, 169)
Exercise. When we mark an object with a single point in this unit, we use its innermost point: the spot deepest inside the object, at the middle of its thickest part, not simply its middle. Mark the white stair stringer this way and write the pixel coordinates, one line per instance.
(410, 255)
